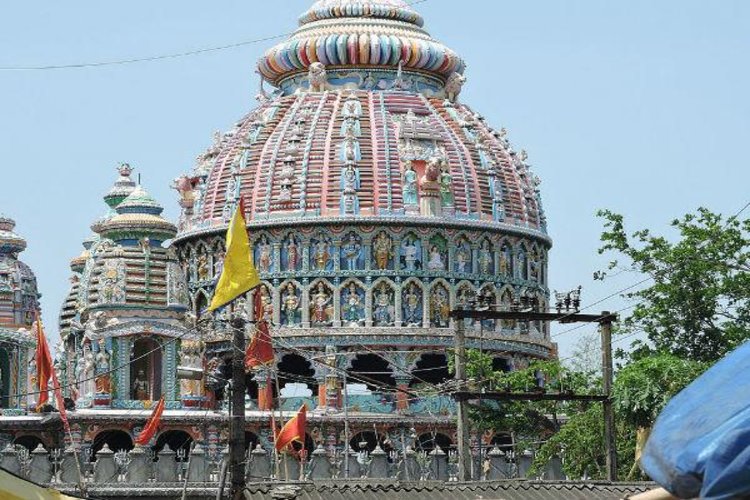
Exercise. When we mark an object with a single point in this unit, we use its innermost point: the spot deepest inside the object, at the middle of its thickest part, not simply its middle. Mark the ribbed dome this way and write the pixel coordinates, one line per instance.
(18, 286)
(380, 35)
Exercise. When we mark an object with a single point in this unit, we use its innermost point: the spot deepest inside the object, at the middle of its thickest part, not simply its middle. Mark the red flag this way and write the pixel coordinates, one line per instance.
(152, 426)
(260, 350)
(294, 430)
(43, 359)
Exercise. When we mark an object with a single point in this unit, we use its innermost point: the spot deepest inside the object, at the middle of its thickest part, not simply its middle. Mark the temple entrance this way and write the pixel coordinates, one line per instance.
(179, 441)
(4, 378)
(115, 440)
(145, 370)
(500, 365)
(368, 441)
(372, 370)
(431, 369)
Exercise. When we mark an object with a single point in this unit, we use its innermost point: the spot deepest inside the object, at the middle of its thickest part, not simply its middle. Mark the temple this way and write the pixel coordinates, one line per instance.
(377, 202)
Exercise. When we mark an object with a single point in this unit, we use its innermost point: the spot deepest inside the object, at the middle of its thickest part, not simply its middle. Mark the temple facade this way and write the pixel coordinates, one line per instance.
(377, 202)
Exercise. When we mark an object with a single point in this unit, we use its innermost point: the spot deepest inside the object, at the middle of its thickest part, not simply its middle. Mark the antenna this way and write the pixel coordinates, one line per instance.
(139, 179)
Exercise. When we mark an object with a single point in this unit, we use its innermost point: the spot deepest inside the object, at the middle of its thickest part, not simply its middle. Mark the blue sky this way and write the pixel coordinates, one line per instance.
(637, 106)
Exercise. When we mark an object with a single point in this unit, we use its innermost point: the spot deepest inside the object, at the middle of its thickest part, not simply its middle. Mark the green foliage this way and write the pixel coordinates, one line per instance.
(643, 387)
(698, 306)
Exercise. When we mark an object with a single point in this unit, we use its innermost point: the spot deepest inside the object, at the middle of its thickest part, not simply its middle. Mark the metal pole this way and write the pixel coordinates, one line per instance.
(609, 416)
(237, 427)
(464, 443)
(345, 402)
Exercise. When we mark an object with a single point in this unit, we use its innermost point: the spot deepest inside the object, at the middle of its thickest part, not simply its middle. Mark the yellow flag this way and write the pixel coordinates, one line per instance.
(239, 275)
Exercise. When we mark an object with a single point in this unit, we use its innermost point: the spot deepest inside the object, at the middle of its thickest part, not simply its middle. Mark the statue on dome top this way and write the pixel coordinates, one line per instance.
(317, 77)
(454, 85)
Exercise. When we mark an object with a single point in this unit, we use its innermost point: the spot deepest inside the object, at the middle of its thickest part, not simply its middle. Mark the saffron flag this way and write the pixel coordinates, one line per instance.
(152, 426)
(43, 364)
(239, 275)
(294, 430)
(260, 350)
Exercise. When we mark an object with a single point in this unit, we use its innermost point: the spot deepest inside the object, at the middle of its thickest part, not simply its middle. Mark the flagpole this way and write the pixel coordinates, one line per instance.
(281, 419)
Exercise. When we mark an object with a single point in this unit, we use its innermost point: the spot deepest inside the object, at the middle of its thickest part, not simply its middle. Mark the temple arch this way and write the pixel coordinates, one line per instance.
(116, 440)
(29, 442)
(176, 440)
(428, 441)
(295, 369)
(431, 369)
(373, 371)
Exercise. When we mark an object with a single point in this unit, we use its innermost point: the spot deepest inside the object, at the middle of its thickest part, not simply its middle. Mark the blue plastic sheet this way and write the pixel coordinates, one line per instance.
(700, 444)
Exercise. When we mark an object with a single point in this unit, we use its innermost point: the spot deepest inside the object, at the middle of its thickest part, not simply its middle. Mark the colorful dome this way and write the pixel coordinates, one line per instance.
(19, 298)
(137, 217)
(380, 35)
(122, 188)
(376, 201)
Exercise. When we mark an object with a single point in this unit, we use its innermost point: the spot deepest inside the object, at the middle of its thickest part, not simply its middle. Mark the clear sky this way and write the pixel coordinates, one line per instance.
(640, 106)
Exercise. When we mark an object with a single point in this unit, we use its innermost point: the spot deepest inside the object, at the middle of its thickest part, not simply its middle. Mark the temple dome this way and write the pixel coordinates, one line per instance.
(19, 297)
(381, 35)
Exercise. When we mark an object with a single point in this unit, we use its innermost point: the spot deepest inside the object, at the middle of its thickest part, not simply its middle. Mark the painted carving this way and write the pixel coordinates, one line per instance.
(321, 254)
(351, 253)
(112, 282)
(440, 307)
(411, 305)
(453, 86)
(352, 306)
(317, 77)
(411, 253)
(462, 260)
(411, 196)
(382, 251)
(291, 306)
(383, 310)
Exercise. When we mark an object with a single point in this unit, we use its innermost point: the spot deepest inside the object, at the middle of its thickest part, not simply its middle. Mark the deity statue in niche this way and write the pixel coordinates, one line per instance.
(384, 311)
(321, 254)
(486, 263)
(103, 379)
(321, 308)
(411, 195)
(89, 369)
(290, 306)
(505, 261)
(352, 306)
(190, 356)
(506, 304)
(463, 257)
(140, 386)
(219, 263)
(440, 307)
(193, 268)
(437, 261)
(266, 304)
(446, 185)
(412, 306)
(265, 256)
(383, 251)
(351, 252)
(292, 254)
(411, 254)
(202, 267)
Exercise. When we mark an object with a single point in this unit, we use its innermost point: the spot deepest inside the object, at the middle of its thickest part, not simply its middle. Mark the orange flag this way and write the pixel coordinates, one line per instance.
(149, 431)
(260, 350)
(43, 363)
(294, 430)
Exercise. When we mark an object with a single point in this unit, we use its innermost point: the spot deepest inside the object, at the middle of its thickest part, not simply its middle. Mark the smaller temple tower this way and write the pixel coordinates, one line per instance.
(19, 300)
(123, 321)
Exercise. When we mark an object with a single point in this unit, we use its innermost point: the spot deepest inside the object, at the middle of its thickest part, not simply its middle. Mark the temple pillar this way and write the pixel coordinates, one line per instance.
(265, 389)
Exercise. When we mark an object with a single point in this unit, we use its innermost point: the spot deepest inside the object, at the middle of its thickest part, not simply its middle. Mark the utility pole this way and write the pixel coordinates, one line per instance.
(609, 415)
(464, 441)
(237, 422)
(605, 320)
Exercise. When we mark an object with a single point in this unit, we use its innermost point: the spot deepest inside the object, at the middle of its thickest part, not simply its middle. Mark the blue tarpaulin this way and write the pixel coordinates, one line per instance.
(700, 444)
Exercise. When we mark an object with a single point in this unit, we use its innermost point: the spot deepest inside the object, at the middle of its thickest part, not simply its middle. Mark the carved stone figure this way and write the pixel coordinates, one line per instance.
(485, 258)
(265, 260)
(140, 387)
(463, 258)
(321, 254)
(383, 249)
(266, 304)
(446, 186)
(454, 85)
(318, 77)
(383, 315)
(440, 308)
(352, 308)
(103, 379)
(436, 262)
(292, 254)
(202, 267)
(321, 309)
(291, 305)
(412, 306)
(89, 371)
(411, 254)
(351, 252)
(411, 196)
(190, 357)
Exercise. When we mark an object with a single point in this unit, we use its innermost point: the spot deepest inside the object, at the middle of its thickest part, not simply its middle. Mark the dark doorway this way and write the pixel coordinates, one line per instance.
(179, 441)
(115, 440)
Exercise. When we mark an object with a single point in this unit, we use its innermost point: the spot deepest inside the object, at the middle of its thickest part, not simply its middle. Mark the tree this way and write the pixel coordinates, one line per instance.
(698, 306)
